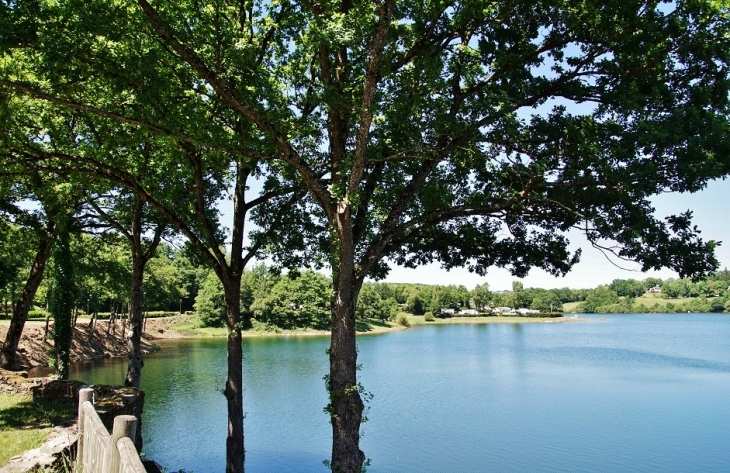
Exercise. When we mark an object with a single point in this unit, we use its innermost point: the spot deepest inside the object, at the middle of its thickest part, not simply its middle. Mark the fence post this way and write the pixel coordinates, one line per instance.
(124, 426)
(85, 394)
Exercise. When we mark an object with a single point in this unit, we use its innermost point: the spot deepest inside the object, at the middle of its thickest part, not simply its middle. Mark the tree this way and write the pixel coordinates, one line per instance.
(415, 304)
(63, 298)
(371, 304)
(131, 217)
(209, 303)
(628, 287)
(466, 133)
(296, 300)
(519, 298)
(481, 296)
(598, 297)
(13, 256)
(42, 222)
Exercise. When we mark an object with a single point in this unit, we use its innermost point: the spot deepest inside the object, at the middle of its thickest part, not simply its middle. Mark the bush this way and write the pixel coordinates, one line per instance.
(428, 317)
(36, 314)
(209, 302)
(160, 313)
(402, 320)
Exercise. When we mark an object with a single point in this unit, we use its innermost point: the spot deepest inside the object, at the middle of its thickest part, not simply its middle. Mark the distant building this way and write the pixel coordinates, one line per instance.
(502, 310)
(655, 289)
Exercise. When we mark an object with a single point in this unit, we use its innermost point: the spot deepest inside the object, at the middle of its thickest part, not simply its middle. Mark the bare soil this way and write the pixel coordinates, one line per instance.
(101, 339)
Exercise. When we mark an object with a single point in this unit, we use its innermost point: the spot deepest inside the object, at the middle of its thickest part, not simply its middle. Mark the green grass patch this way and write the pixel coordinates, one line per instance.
(25, 423)
(650, 300)
(570, 307)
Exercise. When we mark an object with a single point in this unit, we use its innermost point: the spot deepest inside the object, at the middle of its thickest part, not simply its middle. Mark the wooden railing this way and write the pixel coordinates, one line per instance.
(99, 452)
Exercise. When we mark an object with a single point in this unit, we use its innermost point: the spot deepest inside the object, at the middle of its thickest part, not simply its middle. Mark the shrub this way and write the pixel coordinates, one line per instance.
(402, 320)
(36, 314)
(428, 317)
(160, 313)
(209, 302)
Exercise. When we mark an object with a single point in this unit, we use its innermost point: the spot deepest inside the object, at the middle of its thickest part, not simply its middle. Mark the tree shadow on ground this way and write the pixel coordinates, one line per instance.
(30, 413)
(367, 325)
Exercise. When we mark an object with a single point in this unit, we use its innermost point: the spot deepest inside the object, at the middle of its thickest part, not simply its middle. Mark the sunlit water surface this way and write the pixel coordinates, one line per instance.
(643, 393)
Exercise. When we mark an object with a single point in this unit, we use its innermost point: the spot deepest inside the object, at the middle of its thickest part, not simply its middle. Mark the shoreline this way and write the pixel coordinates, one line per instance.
(105, 340)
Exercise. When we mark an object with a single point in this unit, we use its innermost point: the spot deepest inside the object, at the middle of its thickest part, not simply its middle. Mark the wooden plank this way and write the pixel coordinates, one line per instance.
(124, 426)
(130, 461)
(85, 395)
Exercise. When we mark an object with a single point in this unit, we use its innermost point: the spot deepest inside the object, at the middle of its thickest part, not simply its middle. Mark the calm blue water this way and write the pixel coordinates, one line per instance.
(643, 393)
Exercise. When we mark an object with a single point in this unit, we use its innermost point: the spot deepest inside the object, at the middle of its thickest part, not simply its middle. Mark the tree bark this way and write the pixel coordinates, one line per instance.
(235, 453)
(134, 333)
(25, 301)
(63, 299)
(346, 405)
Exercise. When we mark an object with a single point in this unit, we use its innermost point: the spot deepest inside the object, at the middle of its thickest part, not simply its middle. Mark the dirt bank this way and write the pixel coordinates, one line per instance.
(90, 341)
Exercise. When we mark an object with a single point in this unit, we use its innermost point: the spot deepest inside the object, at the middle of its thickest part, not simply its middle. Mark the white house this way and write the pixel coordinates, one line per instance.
(527, 311)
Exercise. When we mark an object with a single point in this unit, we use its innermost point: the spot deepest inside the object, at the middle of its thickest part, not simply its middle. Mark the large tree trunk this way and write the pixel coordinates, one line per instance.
(346, 405)
(235, 453)
(25, 301)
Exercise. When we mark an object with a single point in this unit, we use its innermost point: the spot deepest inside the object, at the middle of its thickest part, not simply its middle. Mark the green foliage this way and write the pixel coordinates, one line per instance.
(402, 320)
(371, 305)
(628, 287)
(415, 304)
(303, 301)
(428, 317)
(210, 303)
(14, 255)
(599, 297)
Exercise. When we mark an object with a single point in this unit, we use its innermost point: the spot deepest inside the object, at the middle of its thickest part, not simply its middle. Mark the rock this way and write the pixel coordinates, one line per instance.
(56, 451)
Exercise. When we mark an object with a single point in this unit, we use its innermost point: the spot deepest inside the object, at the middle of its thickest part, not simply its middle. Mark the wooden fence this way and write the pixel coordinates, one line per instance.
(99, 452)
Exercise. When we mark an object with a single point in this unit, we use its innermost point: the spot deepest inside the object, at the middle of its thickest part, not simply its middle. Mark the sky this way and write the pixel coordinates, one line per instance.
(710, 214)
(709, 206)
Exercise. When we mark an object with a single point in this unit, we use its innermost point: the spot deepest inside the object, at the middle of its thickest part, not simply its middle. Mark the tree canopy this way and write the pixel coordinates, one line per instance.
(471, 133)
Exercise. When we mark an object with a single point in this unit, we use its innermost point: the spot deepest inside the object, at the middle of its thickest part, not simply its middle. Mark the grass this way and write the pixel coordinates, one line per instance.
(25, 423)
(189, 326)
(648, 299)
(570, 307)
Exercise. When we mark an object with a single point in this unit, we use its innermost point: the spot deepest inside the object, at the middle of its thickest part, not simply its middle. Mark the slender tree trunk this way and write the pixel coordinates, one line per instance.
(25, 301)
(235, 453)
(346, 405)
(134, 332)
(62, 307)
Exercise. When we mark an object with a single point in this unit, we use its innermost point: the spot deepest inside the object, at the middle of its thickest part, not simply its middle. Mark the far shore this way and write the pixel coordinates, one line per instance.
(106, 341)
(185, 326)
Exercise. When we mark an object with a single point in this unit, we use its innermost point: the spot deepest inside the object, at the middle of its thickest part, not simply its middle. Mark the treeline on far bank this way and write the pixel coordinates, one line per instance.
(302, 299)
(176, 281)
(653, 295)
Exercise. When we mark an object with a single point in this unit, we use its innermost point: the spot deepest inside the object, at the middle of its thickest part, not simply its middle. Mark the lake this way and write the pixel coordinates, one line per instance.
(638, 392)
